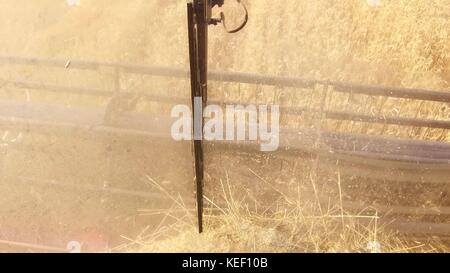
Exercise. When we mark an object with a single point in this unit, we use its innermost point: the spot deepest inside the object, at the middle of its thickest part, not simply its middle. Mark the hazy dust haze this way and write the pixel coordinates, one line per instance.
(400, 42)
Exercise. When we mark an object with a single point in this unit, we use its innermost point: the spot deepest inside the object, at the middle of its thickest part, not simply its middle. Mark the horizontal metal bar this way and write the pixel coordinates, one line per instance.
(407, 210)
(91, 119)
(393, 92)
(334, 115)
(337, 115)
(333, 202)
(392, 217)
(413, 227)
(62, 89)
(387, 171)
(83, 118)
(50, 62)
(428, 123)
(360, 143)
(372, 90)
(30, 125)
(281, 81)
(95, 92)
(154, 70)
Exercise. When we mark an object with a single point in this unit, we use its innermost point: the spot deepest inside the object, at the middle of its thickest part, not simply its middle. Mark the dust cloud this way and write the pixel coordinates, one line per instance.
(65, 185)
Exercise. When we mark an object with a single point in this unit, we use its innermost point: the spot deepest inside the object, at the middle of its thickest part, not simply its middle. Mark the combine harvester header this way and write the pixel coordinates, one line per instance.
(376, 158)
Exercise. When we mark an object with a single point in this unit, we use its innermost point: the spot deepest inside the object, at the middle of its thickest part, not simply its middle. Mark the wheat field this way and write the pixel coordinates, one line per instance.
(403, 43)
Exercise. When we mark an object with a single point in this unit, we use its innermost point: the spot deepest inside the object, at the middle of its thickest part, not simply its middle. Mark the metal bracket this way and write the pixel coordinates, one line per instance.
(222, 19)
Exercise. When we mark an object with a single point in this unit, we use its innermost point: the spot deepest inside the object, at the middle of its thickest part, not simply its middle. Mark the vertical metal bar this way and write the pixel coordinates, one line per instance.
(198, 89)
(202, 46)
(192, 52)
(199, 18)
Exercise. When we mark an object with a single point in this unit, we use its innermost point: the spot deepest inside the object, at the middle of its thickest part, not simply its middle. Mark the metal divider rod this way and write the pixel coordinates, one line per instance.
(198, 88)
